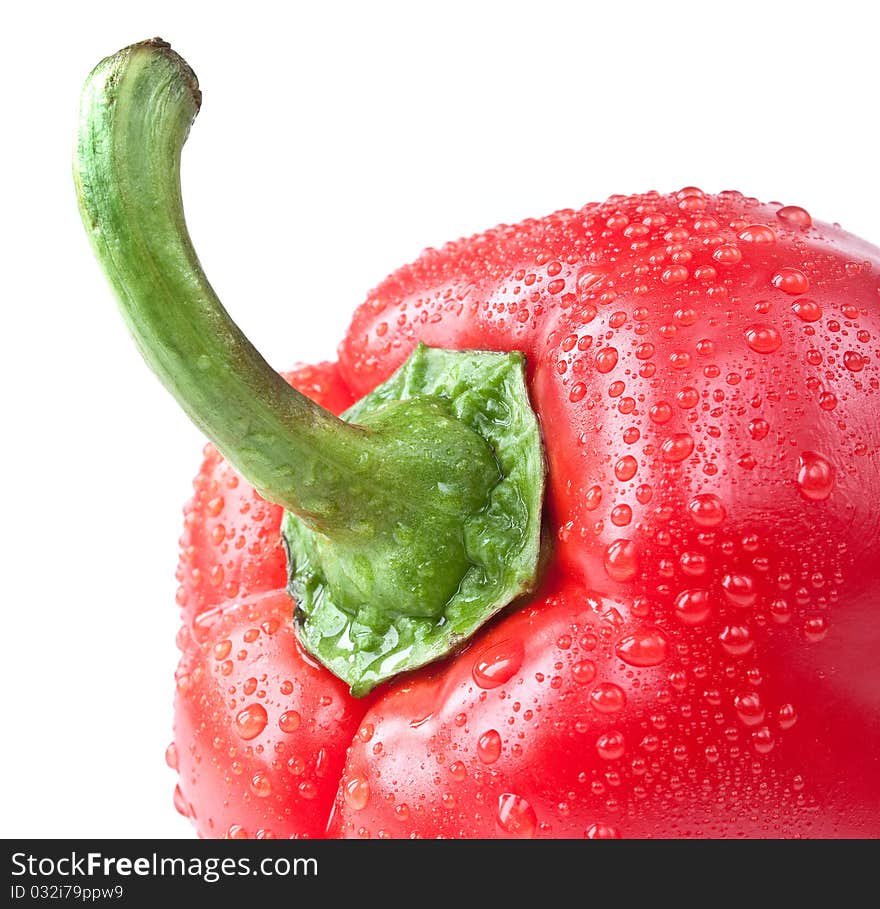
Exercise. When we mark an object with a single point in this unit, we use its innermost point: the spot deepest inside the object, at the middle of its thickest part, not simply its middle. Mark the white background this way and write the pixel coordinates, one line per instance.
(336, 140)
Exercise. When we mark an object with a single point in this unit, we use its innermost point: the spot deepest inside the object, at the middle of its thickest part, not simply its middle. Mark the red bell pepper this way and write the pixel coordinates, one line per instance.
(690, 651)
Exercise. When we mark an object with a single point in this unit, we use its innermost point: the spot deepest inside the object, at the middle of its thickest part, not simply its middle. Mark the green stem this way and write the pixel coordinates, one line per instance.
(136, 112)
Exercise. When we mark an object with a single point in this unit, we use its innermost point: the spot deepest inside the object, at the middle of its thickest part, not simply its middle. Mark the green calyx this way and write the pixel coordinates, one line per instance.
(412, 520)
(411, 592)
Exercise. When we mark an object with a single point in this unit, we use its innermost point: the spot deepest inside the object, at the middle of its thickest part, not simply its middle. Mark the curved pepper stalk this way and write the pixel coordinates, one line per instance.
(410, 522)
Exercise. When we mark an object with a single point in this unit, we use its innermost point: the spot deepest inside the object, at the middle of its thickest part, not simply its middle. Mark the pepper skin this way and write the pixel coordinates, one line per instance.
(700, 658)
(702, 661)
(706, 372)
(261, 729)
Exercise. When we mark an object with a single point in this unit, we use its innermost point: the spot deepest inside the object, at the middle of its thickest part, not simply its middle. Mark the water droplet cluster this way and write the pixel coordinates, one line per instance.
(706, 371)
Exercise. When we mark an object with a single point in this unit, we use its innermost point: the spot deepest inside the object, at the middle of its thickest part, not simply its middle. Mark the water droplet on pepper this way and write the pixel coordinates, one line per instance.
(815, 478)
(516, 817)
(498, 664)
(251, 721)
(646, 646)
